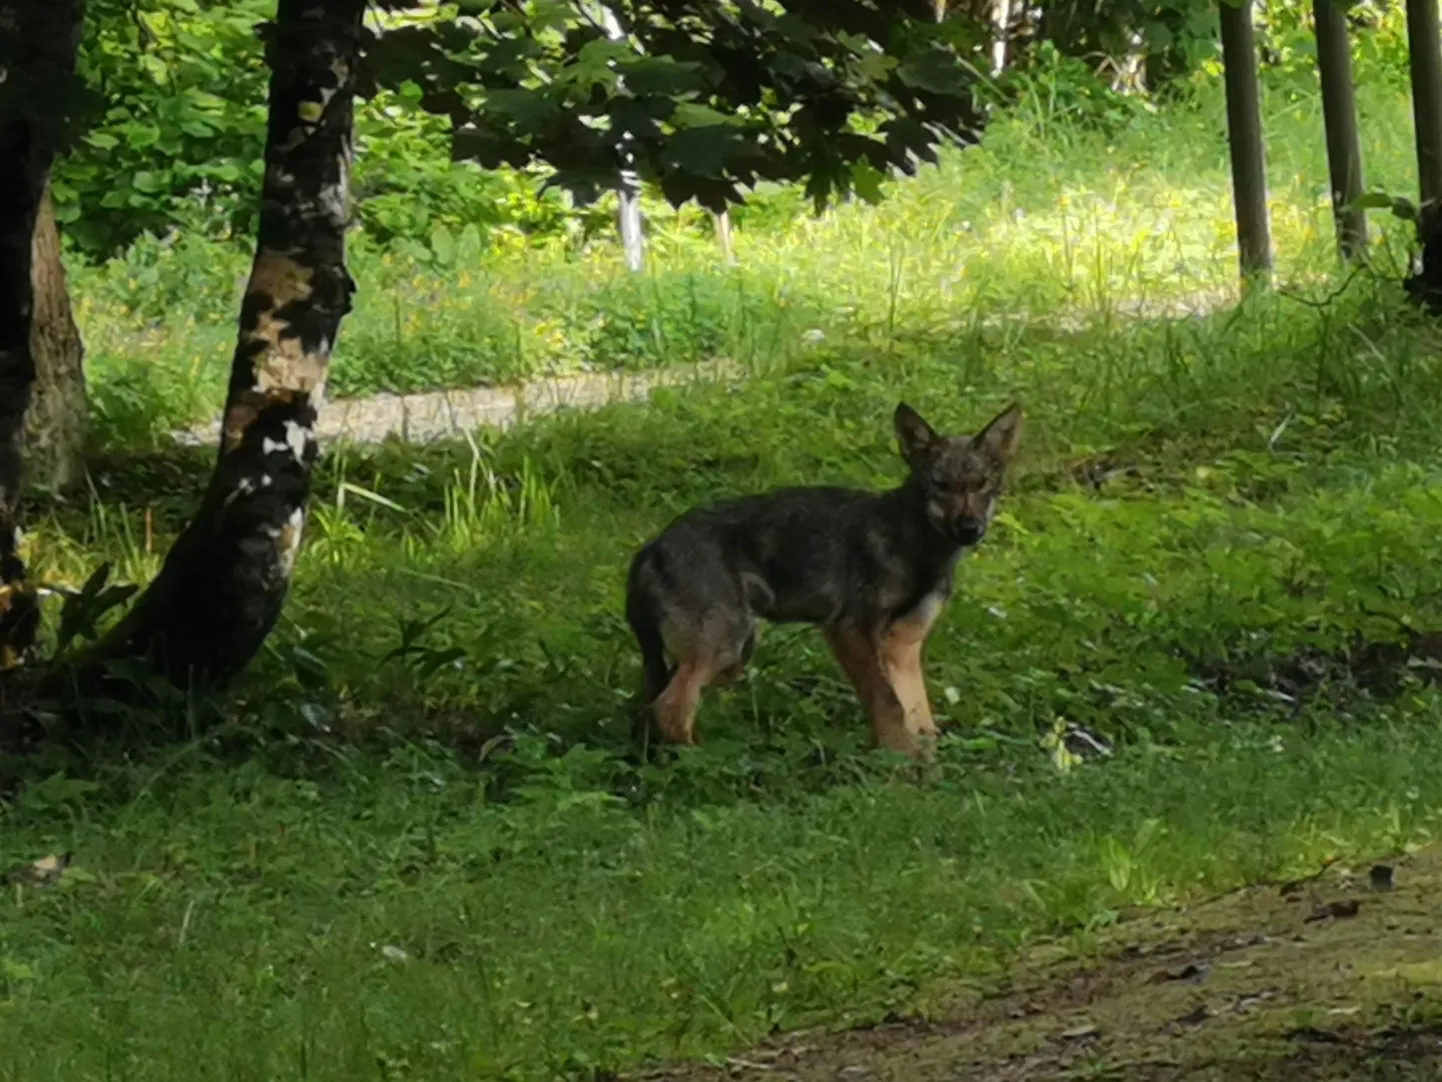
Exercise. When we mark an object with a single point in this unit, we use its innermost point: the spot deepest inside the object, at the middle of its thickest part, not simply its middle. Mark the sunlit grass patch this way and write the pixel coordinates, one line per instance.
(1043, 221)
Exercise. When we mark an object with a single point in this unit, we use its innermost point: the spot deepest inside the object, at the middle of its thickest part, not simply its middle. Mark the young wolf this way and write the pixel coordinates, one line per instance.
(872, 569)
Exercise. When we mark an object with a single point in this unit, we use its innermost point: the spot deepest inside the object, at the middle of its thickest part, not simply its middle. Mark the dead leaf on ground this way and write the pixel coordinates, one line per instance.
(44, 872)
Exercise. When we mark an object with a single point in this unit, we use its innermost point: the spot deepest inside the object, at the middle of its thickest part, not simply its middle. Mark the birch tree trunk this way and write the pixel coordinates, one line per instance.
(224, 582)
(628, 187)
(1001, 35)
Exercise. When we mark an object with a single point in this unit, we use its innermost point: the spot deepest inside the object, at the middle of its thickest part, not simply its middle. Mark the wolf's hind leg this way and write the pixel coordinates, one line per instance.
(716, 654)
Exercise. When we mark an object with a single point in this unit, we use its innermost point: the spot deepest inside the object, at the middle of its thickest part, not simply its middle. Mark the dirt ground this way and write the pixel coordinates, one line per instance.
(1336, 977)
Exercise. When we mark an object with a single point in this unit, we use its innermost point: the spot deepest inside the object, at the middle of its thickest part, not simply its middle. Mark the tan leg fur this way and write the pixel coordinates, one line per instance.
(902, 654)
(862, 662)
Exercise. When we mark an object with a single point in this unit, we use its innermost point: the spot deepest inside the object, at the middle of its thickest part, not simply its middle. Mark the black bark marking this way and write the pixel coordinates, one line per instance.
(224, 582)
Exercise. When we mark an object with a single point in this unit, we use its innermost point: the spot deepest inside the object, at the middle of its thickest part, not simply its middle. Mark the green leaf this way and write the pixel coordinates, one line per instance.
(874, 66)
(141, 136)
(1400, 206)
(1157, 35)
(443, 245)
(149, 182)
(470, 245)
(691, 114)
(662, 76)
(866, 181)
(934, 70)
(595, 65)
(531, 108)
(207, 102)
(702, 151)
(1372, 201)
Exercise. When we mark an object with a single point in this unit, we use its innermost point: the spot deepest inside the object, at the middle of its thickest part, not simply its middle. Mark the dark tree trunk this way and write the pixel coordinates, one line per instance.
(38, 42)
(222, 586)
(1425, 52)
(1426, 63)
(55, 425)
(1244, 134)
(1339, 112)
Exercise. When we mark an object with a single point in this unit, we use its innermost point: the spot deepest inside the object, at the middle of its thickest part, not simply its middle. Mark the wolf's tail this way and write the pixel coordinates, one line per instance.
(645, 624)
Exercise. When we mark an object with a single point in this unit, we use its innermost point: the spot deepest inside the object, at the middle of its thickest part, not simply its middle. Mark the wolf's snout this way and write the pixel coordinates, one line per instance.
(967, 531)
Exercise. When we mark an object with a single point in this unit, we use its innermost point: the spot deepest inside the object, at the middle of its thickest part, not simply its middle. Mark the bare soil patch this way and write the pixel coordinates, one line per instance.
(1334, 977)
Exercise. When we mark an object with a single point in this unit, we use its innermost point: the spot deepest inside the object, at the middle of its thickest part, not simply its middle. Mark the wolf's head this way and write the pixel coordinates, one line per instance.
(959, 477)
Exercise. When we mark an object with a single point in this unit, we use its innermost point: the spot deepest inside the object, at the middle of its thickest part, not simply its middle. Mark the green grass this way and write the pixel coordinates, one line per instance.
(418, 845)
(388, 921)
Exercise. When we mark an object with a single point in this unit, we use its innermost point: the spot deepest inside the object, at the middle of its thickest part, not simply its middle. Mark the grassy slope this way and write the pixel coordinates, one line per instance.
(560, 909)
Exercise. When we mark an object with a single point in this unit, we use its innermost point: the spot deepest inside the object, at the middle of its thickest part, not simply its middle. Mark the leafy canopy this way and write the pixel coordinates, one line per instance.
(711, 96)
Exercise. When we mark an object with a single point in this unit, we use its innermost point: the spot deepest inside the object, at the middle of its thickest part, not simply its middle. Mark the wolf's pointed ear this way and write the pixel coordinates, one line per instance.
(917, 438)
(1002, 434)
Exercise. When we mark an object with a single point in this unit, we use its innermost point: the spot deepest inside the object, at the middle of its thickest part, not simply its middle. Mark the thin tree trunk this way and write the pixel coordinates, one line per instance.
(723, 236)
(1339, 116)
(633, 237)
(225, 580)
(37, 60)
(1001, 35)
(1244, 134)
(1425, 52)
(628, 188)
(55, 425)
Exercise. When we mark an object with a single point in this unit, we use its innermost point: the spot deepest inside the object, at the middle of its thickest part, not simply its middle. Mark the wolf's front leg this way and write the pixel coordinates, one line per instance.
(905, 672)
(861, 657)
(902, 655)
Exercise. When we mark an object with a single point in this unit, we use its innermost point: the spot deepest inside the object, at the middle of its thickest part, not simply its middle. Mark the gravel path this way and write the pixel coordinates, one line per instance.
(439, 415)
